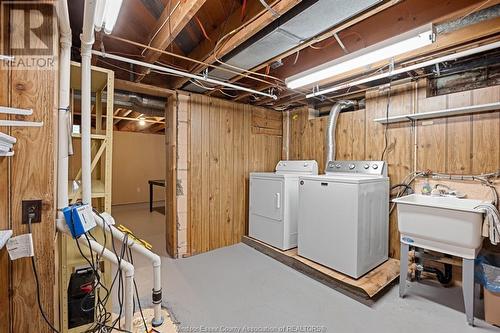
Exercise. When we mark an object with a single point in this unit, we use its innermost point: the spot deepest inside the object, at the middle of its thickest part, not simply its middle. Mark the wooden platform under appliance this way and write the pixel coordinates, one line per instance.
(366, 289)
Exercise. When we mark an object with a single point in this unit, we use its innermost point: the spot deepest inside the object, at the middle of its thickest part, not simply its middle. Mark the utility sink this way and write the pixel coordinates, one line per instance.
(444, 224)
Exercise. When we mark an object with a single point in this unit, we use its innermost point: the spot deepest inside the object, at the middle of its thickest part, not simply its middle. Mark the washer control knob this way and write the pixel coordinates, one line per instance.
(351, 166)
(306, 164)
(375, 166)
(367, 166)
(337, 166)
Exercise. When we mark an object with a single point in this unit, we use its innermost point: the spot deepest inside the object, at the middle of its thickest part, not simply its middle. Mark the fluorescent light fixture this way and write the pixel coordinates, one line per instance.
(385, 50)
(449, 57)
(106, 14)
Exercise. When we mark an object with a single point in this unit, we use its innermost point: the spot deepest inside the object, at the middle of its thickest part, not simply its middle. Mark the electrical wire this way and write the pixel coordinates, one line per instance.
(269, 8)
(130, 257)
(102, 315)
(226, 94)
(386, 134)
(163, 24)
(240, 73)
(202, 28)
(37, 282)
(243, 10)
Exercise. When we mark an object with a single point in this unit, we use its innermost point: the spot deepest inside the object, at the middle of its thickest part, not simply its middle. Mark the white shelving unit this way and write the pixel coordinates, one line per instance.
(439, 113)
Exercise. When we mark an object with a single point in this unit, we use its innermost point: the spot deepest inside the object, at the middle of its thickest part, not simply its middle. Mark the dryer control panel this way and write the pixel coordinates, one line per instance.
(363, 167)
(307, 167)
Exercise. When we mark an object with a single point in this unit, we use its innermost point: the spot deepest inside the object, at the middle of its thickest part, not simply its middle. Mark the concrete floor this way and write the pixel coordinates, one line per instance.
(238, 286)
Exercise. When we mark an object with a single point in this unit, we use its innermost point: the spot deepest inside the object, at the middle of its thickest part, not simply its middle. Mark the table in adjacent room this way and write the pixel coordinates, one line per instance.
(152, 183)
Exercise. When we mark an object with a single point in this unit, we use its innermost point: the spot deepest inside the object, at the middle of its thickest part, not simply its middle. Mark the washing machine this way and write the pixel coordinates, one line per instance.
(273, 204)
(344, 216)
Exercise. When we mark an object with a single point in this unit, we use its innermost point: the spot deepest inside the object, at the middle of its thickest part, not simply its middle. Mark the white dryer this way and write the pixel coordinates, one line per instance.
(273, 205)
(344, 216)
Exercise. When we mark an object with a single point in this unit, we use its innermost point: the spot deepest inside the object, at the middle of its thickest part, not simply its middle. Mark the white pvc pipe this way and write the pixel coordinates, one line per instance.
(87, 40)
(19, 123)
(152, 257)
(17, 111)
(182, 73)
(6, 57)
(7, 138)
(449, 57)
(64, 98)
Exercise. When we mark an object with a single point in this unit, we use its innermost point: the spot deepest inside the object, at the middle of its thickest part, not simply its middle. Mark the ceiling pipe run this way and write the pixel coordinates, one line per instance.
(176, 72)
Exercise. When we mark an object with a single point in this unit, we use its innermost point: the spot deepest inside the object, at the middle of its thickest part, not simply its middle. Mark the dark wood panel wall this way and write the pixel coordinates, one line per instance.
(224, 142)
(463, 144)
(29, 174)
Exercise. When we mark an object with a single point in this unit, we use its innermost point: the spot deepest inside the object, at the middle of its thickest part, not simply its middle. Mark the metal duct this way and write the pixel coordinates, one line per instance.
(304, 21)
(147, 106)
(332, 126)
(140, 101)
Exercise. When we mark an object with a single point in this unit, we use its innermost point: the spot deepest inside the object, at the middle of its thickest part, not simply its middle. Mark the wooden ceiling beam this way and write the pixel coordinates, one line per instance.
(204, 52)
(141, 88)
(129, 124)
(123, 113)
(172, 21)
(156, 128)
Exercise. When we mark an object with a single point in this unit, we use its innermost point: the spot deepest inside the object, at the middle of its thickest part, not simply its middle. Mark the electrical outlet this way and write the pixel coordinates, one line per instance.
(32, 206)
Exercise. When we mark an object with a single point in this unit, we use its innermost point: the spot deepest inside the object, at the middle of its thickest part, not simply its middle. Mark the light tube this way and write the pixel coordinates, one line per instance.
(406, 42)
(431, 62)
(106, 15)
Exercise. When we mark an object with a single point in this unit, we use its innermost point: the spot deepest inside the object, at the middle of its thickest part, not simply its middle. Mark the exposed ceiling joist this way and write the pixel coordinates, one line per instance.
(122, 113)
(171, 22)
(207, 56)
(155, 128)
(141, 88)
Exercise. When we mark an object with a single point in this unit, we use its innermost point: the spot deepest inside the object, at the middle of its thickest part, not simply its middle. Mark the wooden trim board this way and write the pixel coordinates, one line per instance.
(366, 289)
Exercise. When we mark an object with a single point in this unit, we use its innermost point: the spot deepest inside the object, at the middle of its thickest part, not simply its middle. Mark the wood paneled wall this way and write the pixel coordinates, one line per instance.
(171, 176)
(29, 174)
(5, 304)
(225, 141)
(463, 145)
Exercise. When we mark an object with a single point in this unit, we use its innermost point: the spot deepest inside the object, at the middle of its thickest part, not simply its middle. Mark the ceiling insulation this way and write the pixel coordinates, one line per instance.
(301, 23)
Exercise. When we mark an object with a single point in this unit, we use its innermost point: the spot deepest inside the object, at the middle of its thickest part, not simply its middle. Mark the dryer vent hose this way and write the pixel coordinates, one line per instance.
(332, 125)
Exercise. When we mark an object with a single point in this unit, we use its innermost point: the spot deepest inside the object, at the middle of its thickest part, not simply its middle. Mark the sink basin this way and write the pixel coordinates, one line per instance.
(444, 224)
